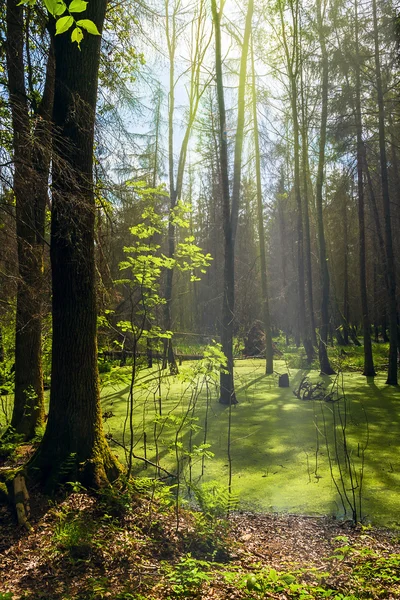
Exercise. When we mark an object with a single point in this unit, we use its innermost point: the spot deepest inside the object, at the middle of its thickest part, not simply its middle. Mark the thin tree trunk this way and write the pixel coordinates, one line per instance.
(292, 63)
(199, 46)
(237, 161)
(30, 188)
(169, 357)
(269, 353)
(282, 237)
(391, 274)
(307, 236)
(346, 302)
(227, 390)
(230, 215)
(323, 342)
(369, 370)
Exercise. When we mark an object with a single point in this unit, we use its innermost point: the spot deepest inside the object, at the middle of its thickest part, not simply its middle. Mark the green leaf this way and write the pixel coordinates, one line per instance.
(60, 8)
(77, 6)
(89, 26)
(77, 36)
(50, 5)
(63, 24)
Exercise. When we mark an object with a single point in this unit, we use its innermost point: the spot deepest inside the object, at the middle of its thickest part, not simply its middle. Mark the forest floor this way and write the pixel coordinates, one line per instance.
(128, 546)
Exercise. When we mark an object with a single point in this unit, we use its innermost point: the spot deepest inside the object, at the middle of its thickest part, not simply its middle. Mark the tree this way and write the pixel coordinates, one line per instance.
(322, 346)
(74, 444)
(230, 208)
(32, 152)
(269, 354)
(199, 44)
(292, 59)
(369, 370)
(391, 273)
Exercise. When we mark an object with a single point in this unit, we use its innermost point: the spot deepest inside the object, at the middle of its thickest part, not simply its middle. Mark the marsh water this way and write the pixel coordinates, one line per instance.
(287, 454)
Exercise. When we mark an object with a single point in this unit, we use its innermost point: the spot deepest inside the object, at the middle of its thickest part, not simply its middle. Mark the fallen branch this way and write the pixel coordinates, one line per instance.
(146, 460)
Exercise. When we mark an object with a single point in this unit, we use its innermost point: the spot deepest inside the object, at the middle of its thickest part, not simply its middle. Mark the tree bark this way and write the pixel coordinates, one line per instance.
(292, 63)
(346, 301)
(324, 363)
(307, 236)
(31, 175)
(227, 389)
(269, 353)
(391, 274)
(169, 357)
(369, 370)
(74, 445)
(230, 214)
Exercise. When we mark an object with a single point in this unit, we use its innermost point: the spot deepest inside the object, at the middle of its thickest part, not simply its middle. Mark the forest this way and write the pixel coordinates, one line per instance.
(199, 299)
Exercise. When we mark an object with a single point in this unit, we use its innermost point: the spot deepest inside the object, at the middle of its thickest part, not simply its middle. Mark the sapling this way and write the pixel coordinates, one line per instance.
(143, 266)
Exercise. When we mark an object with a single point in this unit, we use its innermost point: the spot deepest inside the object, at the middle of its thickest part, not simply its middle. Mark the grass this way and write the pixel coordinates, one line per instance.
(274, 440)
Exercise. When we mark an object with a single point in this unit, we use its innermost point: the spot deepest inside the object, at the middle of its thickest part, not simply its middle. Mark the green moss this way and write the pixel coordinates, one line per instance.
(274, 440)
(4, 496)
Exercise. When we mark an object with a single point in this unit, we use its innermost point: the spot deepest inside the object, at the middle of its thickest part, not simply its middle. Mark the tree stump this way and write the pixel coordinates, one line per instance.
(284, 380)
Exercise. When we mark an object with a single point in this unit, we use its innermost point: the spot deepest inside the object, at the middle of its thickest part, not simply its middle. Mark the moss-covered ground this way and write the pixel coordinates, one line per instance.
(283, 449)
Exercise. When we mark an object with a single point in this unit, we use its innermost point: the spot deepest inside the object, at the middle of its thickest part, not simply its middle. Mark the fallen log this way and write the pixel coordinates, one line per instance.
(21, 498)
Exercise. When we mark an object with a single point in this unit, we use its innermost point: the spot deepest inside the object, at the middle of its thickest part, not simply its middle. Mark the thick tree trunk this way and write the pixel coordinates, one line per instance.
(74, 444)
(324, 363)
(391, 274)
(269, 353)
(369, 370)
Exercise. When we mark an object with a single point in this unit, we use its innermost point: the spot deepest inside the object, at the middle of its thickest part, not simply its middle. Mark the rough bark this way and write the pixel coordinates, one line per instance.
(31, 175)
(74, 445)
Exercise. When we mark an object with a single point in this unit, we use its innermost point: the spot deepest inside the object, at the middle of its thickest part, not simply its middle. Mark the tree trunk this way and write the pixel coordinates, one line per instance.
(269, 353)
(346, 302)
(324, 363)
(74, 445)
(292, 64)
(227, 389)
(237, 161)
(169, 356)
(307, 236)
(369, 370)
(391, 274)
(31, 174)
(230, 216)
